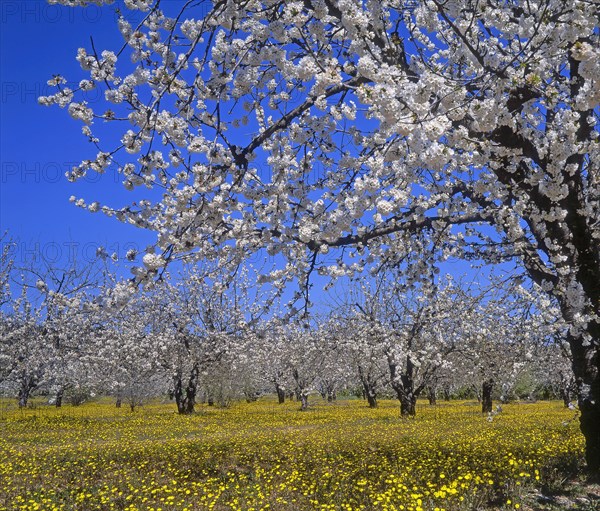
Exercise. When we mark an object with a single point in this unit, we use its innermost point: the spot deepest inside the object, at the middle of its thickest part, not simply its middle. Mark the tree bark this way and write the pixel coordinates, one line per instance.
(486, 396)
(304, 401)
(370, 395)
(27, 385)
(23, 397)
(186, 398)
(586, 366)
(280, 394)
(118, 402)
(565, 396)
(369, 387)
(408, 402)
(403, 385)
(59, 397)
(431, 396)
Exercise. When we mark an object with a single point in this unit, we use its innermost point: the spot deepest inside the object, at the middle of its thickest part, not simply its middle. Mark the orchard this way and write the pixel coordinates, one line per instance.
(312, 171)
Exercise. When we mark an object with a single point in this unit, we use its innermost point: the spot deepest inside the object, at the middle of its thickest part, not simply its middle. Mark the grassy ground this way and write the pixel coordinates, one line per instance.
(264, 456)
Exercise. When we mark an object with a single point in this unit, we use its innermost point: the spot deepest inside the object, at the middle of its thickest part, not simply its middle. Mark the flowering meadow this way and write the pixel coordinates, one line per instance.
(264, 456)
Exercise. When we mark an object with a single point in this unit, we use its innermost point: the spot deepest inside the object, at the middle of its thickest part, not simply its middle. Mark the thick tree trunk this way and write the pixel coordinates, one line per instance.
(186, 398)
(369, 387)
(27, 385)
(372, 400)
(431, 396)
(23, 397)
(403, 385)
(486, 396)
(331, 396)
(586, 366)
(280, 394)
(59, 397)
(190, 391)
(118, 402)
(408, 402)
(370, 394)
(304, 401)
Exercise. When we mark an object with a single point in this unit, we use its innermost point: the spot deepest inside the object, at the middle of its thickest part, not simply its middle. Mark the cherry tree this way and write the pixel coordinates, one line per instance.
(302, 127)
(45, 328)
(362, 339)
(127, 351)
(267, 351)
(24, 351)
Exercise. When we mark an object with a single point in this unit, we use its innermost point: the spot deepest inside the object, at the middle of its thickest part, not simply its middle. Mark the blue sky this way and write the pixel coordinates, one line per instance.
(39, 144)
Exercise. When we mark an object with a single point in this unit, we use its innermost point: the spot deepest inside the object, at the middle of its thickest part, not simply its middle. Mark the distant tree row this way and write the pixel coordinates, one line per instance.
(204, 337)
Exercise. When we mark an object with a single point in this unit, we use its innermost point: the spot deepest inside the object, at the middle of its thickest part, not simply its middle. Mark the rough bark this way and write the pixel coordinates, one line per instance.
(403, 386)
(408, 402)
(280, 394)
(586, 366)
(59, 397)
(25, 389)
(186, 397)
(369, 387)
(371, 396)
(304, 401)
(431, 396)
(486, 396)
(565, 395)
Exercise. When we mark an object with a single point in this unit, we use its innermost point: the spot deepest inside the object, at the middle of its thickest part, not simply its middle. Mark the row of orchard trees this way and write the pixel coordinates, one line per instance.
(202, 336)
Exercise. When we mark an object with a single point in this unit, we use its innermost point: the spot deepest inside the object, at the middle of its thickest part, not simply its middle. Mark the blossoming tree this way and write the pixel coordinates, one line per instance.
(302, 127)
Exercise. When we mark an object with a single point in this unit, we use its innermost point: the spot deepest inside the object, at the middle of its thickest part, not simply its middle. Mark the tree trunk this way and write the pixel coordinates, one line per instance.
(586, 366)
(431, 396)
(565, 396)
(23, 397)
(370, 394)
(191, 389)
(408, 403)
(486, 396)
(186, 398)
(331, 396)
(25, 389)
(369, 387)
(446, 394)
(59, 397)
(118, 402)
(304, 401)
(280, 394)
(404, 387)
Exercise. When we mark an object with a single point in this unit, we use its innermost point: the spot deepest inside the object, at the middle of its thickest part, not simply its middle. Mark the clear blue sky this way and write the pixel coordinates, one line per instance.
(39, 144)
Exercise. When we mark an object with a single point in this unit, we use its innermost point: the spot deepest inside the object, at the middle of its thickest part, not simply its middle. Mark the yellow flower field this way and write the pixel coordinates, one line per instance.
(264, 456)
